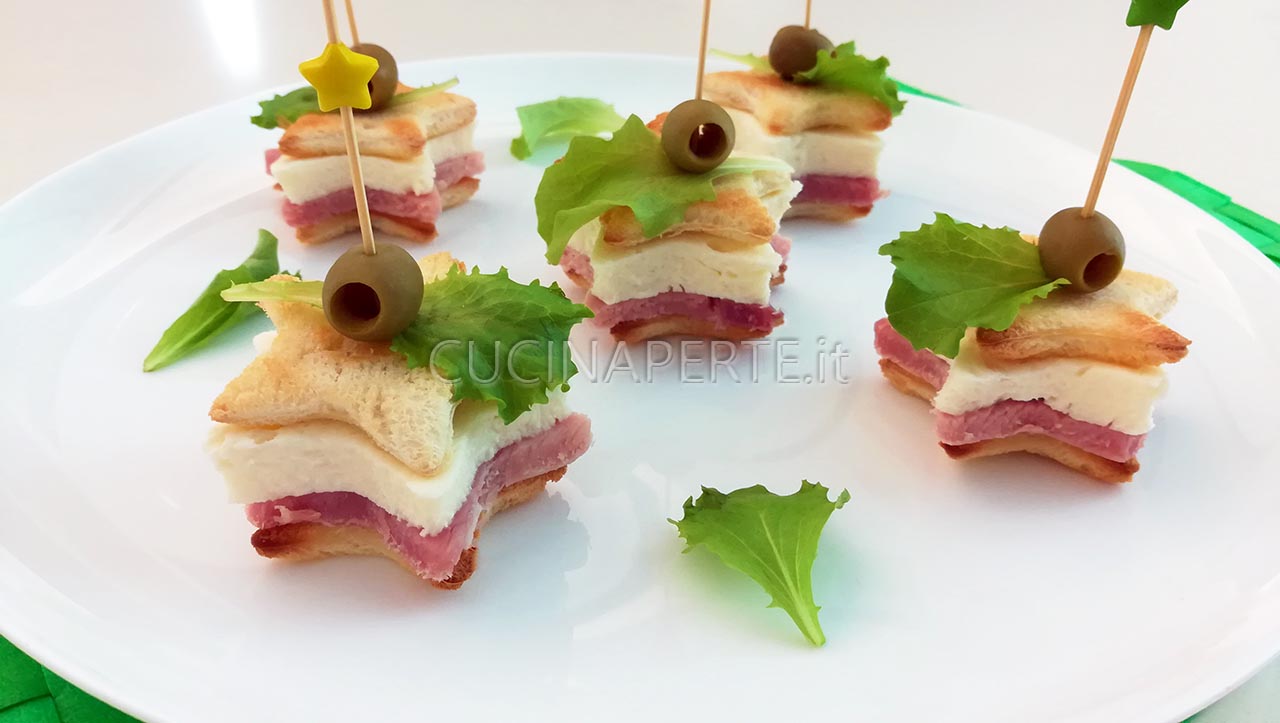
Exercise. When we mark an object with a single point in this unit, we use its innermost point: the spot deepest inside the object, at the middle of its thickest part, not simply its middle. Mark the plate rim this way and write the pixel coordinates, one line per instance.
(35, 643)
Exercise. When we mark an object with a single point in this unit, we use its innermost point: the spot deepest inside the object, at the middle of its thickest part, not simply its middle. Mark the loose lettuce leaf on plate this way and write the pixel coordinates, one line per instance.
(561, 119)
(210, 314)
(950, 276)
(771, 538)
(630, 169)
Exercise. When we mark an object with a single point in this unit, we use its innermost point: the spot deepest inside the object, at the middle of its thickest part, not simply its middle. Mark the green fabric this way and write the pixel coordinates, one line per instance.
(905, 88)
(1263, 233)
(31, 694)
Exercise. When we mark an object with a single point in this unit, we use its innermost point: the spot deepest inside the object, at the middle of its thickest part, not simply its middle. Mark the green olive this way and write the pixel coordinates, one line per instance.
(1087, 251)
(373, 298)
(795, 49)
(386, 80)
(697, 136)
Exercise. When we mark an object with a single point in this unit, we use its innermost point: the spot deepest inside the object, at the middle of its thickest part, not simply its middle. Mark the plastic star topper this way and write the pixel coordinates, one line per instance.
(340, 76)
(1154, 12)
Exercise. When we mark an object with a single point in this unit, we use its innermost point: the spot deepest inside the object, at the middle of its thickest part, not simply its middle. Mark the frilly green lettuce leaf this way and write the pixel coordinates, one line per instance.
(950, 276)
(771, 538)
(562, 118)
(843, 69)
(211, 315)
(630, 169)
(493, 338)
(281, 110)
(758, 63)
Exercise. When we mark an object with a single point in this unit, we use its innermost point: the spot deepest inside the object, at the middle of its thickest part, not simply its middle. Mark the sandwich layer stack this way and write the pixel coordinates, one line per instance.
(418, 158)
(828, 136)
(337, 447)
(1074, 379)
(710, 275)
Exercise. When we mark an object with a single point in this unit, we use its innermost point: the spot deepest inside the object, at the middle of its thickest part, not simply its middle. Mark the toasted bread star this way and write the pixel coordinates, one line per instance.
(312, 373)
(340, 76)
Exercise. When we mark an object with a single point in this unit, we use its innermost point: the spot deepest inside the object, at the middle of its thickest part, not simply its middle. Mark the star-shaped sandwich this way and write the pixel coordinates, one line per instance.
(341, 447)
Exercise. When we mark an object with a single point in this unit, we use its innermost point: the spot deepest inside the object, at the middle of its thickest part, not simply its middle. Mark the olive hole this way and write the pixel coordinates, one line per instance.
(1102, 270)
(707, 140)
(357, 302)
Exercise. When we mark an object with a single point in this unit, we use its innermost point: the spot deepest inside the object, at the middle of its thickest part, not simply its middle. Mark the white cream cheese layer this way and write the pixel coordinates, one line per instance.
(1104, 394)
(824, 152)
(307, 179)
(324, 456)
(683, 263)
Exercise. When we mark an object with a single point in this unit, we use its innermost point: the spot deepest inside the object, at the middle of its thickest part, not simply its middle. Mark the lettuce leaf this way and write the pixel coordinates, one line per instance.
(630, 169)
(410, 96)
(843, 69)
(950, 276)
(211, 314)
(562, 118)
(303, 292)
(771, 538)
(758, 63)
(494, 339)
(283, 110)
(1154, 12)
(840, 69)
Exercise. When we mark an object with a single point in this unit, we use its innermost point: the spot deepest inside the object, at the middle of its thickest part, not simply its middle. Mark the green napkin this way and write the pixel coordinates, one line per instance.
(1263, 233)
(30, 693)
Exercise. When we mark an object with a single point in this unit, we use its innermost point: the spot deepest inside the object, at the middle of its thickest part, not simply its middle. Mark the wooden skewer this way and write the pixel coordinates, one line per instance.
(702, 47)
(330, 24)
(808, 12)
(353, 148)
(1117, 118)
(351, 20)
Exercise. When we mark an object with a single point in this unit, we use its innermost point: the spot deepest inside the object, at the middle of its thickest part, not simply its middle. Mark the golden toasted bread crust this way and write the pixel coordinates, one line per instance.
(785, 108)
(736, 216)
(826, 211)
(460, 192)
(339, 224)
(300, 541)
(398, 133)
(906, 382)
(633, 332)
(1117, 325)
(311, 372)
(1099, 468)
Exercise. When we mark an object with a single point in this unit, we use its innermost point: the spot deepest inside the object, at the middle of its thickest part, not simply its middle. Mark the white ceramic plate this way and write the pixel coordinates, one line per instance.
(1001, 590)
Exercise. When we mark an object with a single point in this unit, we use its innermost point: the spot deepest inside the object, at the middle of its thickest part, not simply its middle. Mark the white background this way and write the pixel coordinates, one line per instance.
(77, 76)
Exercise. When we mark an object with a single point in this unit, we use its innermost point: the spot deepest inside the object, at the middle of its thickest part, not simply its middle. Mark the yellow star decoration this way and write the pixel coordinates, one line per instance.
(340, 76)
